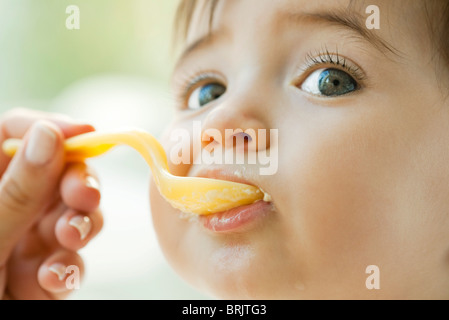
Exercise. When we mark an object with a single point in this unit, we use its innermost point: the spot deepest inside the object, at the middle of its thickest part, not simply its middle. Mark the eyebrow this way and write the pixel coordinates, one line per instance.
(202, 42)
(347, 19)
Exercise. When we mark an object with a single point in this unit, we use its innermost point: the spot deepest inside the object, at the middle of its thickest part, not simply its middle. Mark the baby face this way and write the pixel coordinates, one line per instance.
(362, 151)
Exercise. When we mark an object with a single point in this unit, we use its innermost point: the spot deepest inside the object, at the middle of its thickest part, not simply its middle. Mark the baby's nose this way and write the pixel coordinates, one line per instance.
(233, 128)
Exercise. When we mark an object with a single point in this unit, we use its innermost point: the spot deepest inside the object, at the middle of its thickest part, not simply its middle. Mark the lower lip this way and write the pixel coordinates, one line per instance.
(236, 219)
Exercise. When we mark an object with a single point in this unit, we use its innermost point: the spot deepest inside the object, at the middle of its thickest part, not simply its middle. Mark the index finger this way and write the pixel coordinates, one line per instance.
(15, 123)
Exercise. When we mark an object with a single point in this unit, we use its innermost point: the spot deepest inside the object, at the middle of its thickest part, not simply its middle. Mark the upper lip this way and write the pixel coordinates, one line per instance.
(223, 174)
(235, 174)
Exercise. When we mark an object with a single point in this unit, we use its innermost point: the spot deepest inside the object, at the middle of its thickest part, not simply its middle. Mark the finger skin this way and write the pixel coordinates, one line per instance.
(70, 237)
(15, 123)
(25, 205)
(80, 188)
(29, 276)
(66, 275)
(28, 187)
(21, 269)
(46, 225)
(2, 281)
(56, 228)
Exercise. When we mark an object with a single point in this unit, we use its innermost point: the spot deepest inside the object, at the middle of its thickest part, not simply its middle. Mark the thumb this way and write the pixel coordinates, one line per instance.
(29, 183)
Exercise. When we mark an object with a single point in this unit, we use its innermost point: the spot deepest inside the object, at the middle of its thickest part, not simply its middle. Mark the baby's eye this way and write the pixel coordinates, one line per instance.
(205, 94)
(329, 83)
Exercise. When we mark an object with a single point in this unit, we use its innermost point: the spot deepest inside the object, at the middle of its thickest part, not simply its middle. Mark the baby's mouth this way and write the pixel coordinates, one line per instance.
(237, 219)
(236, 175)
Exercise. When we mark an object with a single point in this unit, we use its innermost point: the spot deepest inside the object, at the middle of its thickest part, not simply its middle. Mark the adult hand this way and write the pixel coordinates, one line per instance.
(48, 210)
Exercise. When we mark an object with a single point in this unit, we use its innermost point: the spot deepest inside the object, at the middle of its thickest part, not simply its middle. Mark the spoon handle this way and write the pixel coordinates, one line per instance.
(93, 144)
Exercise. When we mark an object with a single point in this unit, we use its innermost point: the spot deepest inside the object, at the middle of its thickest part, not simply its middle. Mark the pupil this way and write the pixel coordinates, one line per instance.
(334, 82)
(211, 92)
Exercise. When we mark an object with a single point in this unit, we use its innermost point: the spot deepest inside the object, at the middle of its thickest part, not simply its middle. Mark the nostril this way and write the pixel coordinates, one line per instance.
(242, 136)
(241, 140)
(210, 139)
(208, 143)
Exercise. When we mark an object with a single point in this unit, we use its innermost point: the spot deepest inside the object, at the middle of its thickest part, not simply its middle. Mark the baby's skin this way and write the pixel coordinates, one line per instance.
(48, 209)
(362, 116)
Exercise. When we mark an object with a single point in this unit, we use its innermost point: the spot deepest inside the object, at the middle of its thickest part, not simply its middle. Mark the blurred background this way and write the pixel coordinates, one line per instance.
(113, 72)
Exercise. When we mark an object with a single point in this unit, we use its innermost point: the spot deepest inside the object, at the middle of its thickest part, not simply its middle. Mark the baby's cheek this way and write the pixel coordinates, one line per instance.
(166, 225)
(339, 199)
(179, 238)
(178, 149)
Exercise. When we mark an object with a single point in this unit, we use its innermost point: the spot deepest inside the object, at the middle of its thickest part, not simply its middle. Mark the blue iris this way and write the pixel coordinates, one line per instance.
(335, 82)
(210, 92)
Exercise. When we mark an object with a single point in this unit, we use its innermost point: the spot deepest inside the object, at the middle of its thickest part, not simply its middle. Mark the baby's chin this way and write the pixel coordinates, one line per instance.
(228, 266)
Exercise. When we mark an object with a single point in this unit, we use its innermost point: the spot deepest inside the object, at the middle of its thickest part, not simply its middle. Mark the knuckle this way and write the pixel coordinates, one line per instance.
(13, 194)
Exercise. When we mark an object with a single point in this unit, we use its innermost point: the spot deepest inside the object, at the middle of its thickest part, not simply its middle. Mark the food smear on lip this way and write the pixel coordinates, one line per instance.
(266, 196)
(191, 195)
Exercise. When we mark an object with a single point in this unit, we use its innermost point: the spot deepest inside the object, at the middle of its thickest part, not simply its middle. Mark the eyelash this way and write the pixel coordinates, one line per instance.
(314, 60)
(187, 83)
(322, 58)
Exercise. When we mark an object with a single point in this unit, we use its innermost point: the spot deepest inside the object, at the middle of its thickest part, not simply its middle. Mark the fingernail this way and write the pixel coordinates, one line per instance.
(58, 269)
(41, 145)
(82, 224)
(91, 182)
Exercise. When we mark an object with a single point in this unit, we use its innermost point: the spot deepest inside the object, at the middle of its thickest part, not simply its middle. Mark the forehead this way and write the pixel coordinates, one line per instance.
(406, 17)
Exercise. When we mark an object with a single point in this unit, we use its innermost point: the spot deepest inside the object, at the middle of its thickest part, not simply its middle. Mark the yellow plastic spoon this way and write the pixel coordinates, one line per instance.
(189, 194)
